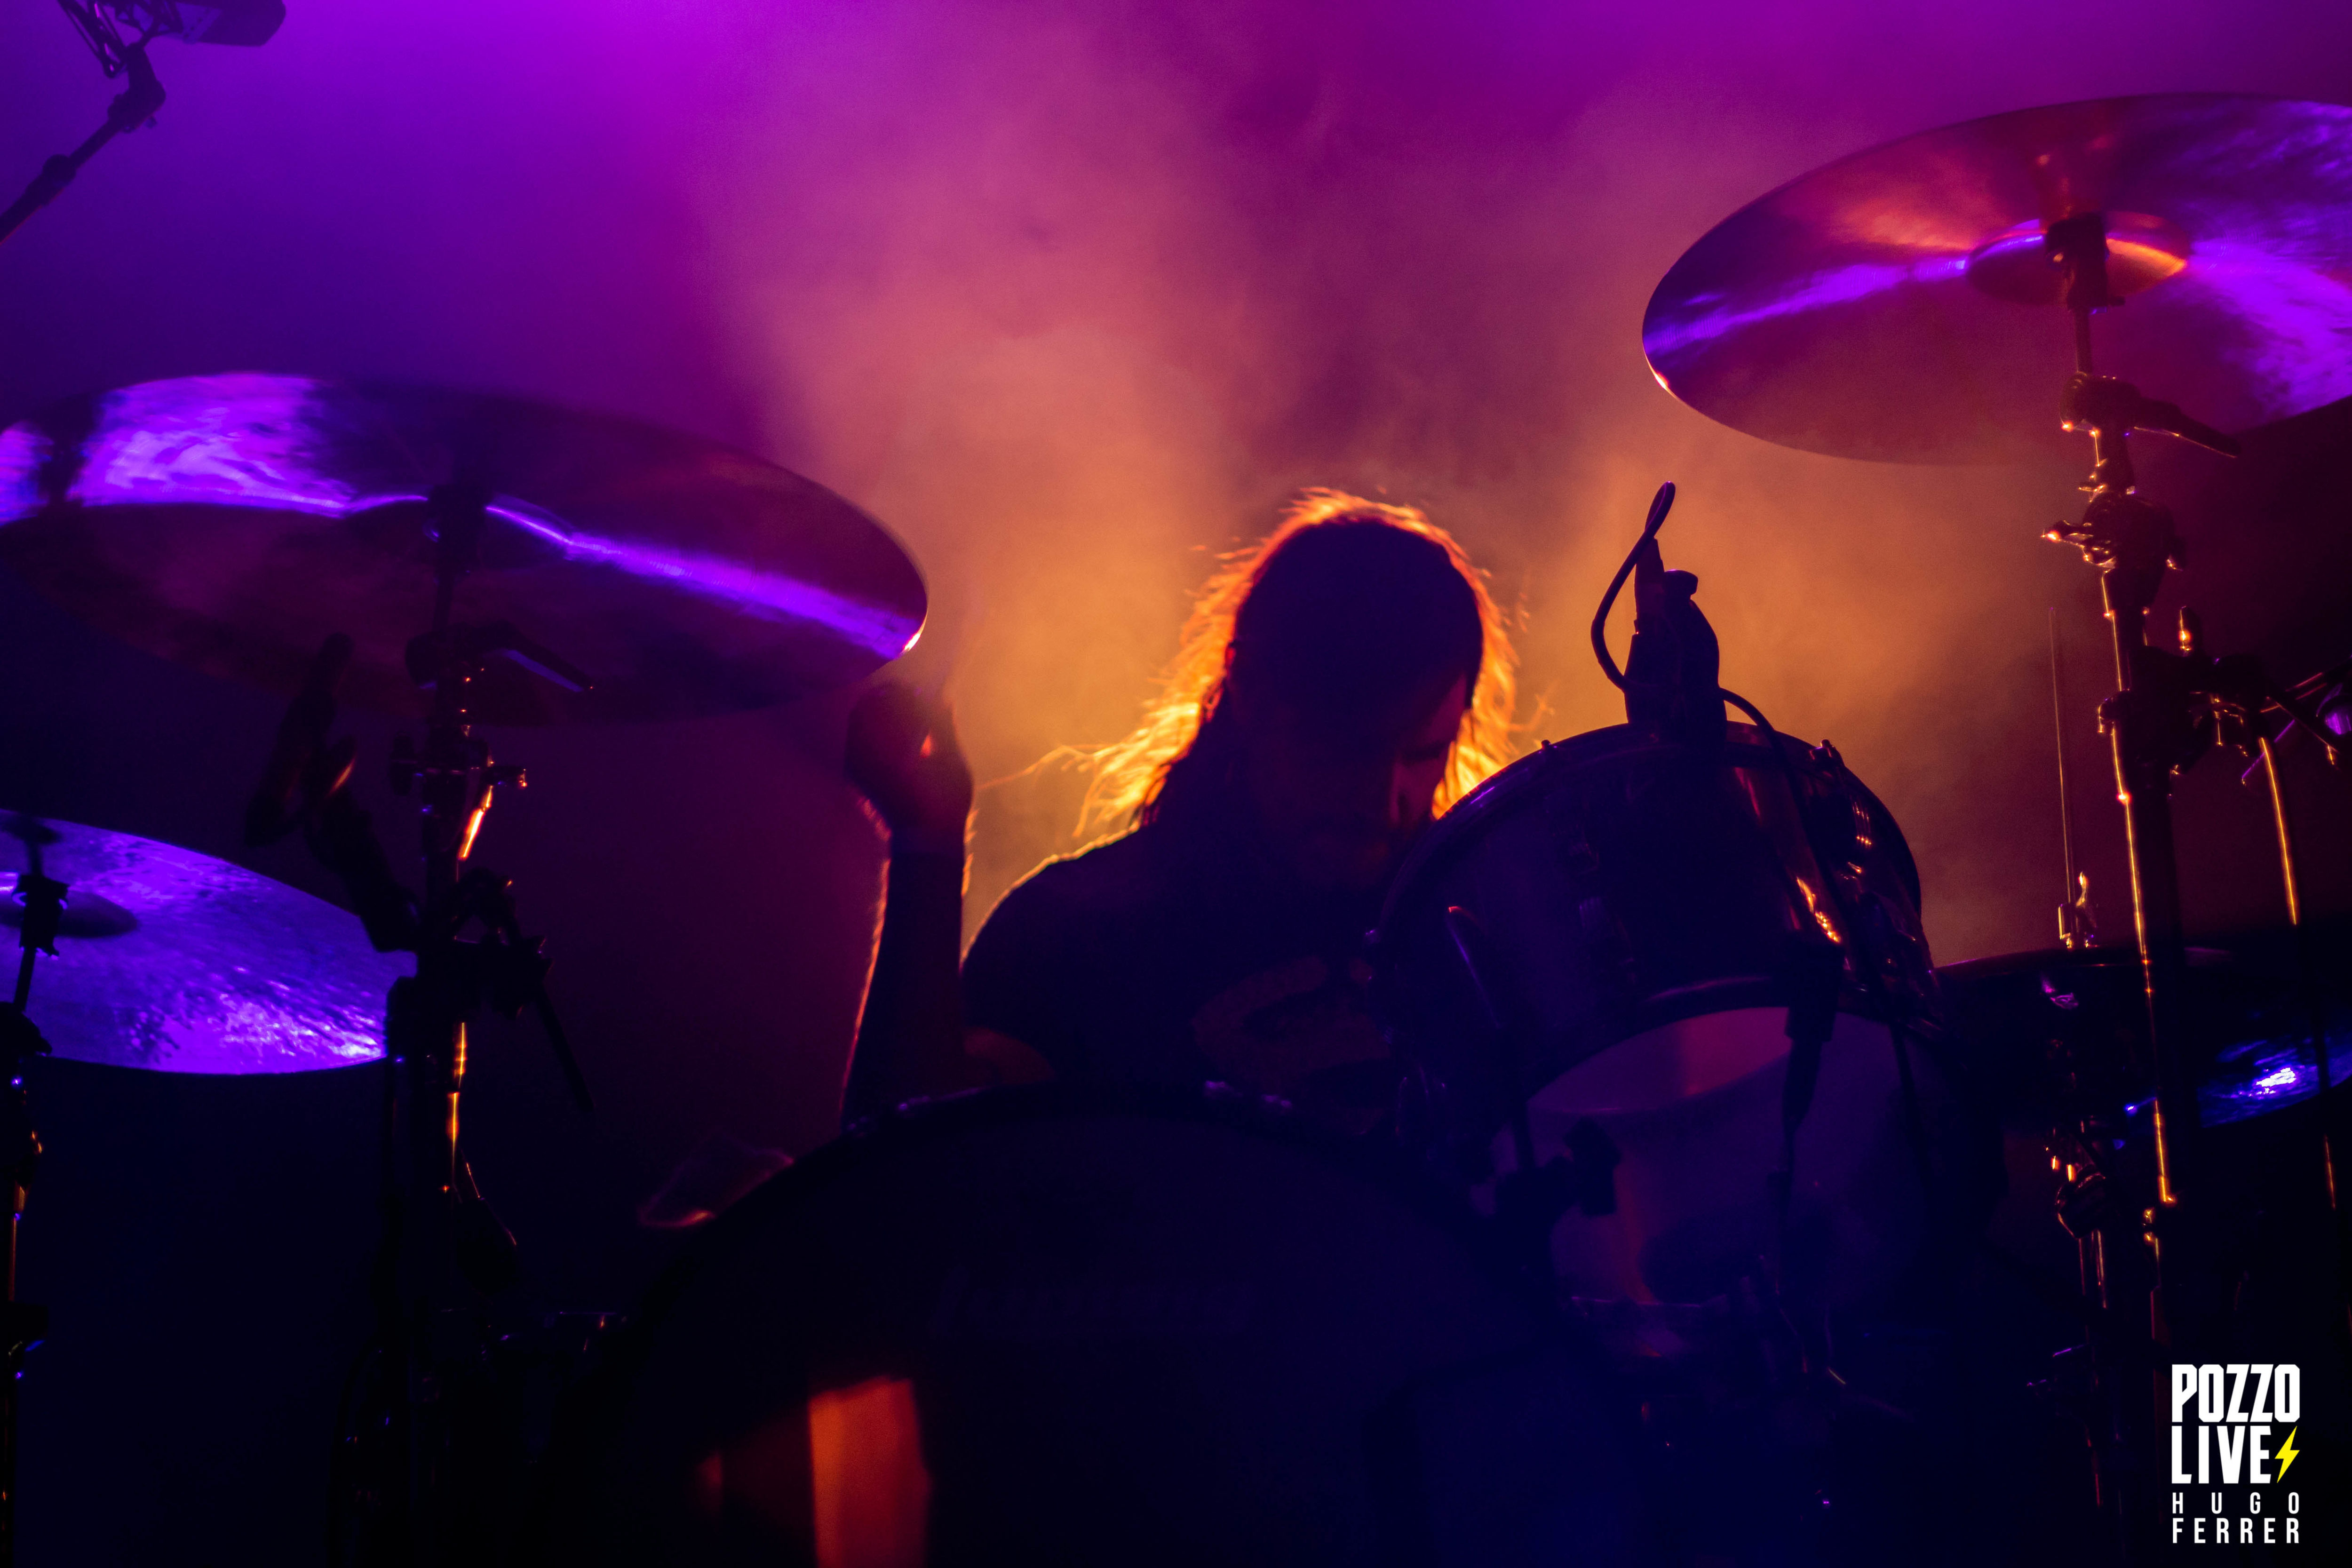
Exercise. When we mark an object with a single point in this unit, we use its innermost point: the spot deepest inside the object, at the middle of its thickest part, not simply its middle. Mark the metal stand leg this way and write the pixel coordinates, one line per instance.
(2315, 1005)
(21, 1323)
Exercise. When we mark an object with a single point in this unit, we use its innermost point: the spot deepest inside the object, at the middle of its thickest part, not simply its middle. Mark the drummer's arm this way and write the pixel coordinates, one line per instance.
(911, 1040)
(903, 755)
(910, 1032)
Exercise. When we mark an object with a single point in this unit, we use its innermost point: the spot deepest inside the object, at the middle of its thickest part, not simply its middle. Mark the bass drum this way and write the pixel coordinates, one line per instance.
(1051, 1325)
(1606, 933)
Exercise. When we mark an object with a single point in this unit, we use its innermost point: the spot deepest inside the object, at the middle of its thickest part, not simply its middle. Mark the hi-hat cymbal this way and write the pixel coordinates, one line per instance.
(1897, 304)
(174, 960)
(231, 522)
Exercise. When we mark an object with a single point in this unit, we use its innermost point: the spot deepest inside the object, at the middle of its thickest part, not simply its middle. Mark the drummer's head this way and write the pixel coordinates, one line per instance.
(1341, 681)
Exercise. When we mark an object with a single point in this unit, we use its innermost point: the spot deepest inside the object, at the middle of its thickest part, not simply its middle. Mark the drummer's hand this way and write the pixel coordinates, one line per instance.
(903, 758)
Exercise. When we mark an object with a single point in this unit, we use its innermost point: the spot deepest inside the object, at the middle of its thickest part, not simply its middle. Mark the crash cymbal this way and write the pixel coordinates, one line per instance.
(177, 961)
(231, 522)
(1897, 304)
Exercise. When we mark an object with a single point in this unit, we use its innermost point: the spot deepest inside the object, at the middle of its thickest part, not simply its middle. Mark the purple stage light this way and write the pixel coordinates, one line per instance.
(172, 961)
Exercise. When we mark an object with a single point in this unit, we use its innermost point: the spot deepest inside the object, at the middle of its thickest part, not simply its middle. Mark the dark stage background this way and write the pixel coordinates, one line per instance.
(1071, 297)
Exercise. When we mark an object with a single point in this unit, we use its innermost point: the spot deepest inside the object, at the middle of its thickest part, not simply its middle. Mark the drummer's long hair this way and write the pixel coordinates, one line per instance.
(1181, 750)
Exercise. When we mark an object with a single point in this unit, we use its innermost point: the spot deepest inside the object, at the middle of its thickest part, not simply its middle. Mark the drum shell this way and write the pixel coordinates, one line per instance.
(1128, 1328)
(1693, 1211)
(1610, 884)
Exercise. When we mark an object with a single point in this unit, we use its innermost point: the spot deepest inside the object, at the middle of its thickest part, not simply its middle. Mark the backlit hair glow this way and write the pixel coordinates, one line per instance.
(1129, 774)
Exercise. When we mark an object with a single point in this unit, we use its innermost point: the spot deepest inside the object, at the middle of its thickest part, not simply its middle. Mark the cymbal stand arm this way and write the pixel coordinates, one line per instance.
(136, 104)
(2301, 715)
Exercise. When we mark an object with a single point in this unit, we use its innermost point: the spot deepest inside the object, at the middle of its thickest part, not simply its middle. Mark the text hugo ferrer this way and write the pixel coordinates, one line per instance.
(2238, 1405)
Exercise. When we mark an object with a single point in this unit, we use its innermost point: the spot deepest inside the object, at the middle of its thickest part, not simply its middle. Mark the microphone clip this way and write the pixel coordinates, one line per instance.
(1672, 670)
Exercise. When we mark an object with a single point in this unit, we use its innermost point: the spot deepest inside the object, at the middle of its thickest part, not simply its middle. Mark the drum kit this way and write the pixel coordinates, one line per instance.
(1692, 1123)
(405, 550)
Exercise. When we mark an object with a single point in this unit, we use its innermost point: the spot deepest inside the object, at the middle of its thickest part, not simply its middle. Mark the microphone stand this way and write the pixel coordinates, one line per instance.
(141, 97)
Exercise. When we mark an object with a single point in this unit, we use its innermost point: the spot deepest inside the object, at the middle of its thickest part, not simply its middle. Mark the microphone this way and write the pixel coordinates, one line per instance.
(247, 23)
(103, 23)
(1672, 670)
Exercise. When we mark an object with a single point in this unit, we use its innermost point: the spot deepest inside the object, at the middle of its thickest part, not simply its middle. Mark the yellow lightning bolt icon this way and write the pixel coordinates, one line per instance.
(2286, 1454)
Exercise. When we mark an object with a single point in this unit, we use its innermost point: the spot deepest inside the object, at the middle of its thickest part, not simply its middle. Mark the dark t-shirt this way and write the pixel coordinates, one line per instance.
(1176, 957)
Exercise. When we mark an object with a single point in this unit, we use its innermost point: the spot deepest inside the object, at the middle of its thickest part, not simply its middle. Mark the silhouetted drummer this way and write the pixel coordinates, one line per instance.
(1337, 687)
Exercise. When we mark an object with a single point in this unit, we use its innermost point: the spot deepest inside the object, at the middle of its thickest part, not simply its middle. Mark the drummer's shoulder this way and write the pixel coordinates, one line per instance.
(1101, 881)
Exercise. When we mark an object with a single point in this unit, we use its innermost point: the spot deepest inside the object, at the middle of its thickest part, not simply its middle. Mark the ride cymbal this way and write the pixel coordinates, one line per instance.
(231, 522)
(174, 960)
(1898, 304)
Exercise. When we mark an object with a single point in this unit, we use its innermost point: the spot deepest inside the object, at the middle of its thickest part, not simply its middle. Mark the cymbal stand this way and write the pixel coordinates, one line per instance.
(455, 779)
(22, 1324)
(2155, 728)
(2170, 708)
(2131, 541)
(443, 1249)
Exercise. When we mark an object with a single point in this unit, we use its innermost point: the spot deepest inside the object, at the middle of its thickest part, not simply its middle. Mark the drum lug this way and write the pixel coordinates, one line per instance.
(1862, 836)
(1564, 814)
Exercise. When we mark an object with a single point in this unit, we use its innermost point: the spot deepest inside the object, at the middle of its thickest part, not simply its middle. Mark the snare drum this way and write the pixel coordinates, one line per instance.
(1603, 933)
(1068, 1325)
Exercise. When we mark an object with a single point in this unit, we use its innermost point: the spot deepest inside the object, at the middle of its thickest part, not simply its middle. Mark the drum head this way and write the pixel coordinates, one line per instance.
(1610, 885)
(1693, 1110)
(1051, 1325)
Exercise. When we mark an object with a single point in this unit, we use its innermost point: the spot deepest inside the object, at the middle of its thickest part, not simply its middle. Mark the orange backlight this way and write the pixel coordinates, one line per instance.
(867, 1478)
(844, 1474)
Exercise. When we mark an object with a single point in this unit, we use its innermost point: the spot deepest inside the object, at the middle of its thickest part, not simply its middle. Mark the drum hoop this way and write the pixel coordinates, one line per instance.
(2009, 965)
(1377, 1163)
(596, 1411)
(1591, 749)
(1548, 765)
(599, 1406)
